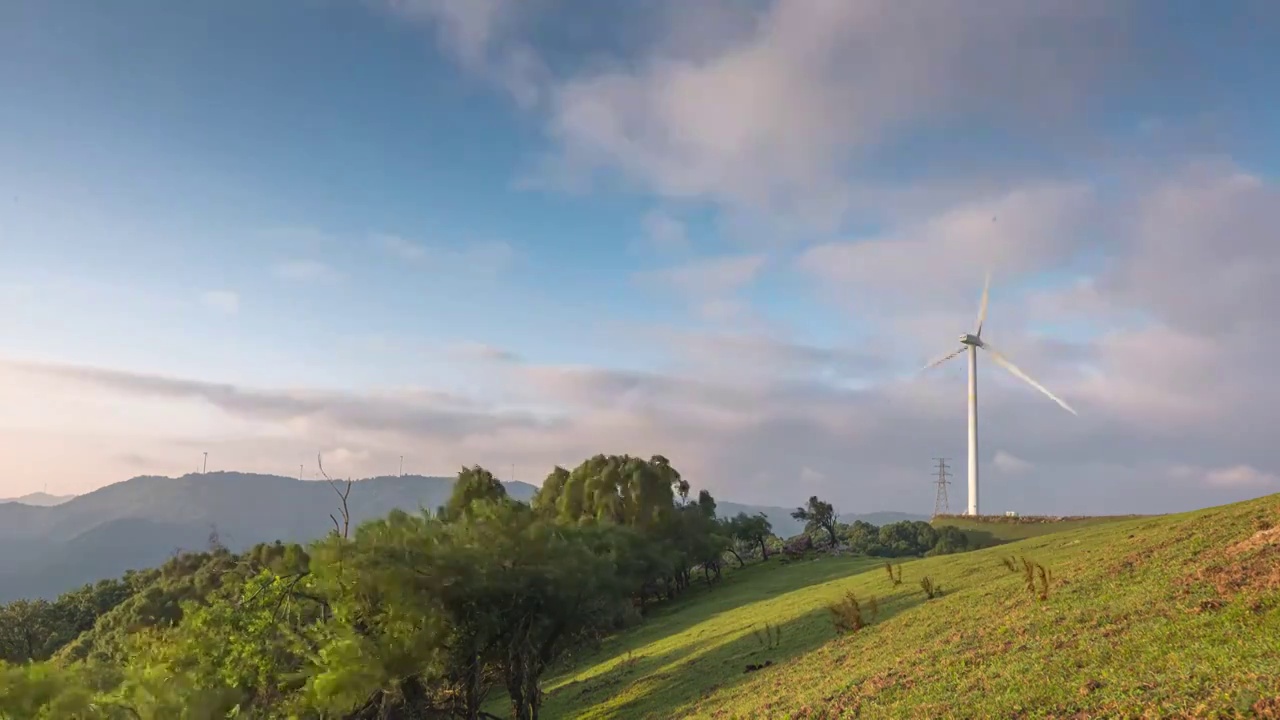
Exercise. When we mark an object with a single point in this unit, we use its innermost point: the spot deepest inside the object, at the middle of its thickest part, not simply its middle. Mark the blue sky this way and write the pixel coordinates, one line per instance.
(361, 196)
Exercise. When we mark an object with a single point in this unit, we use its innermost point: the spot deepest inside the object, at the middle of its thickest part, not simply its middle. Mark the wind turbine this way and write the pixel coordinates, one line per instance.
(971, 342)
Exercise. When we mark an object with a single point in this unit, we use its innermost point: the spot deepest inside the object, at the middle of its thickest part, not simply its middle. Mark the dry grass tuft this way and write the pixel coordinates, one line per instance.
(897, 579)
(931, 590)
(849, 615)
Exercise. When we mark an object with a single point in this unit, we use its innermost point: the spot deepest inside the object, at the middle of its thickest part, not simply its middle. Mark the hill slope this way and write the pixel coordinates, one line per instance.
(1175, 615)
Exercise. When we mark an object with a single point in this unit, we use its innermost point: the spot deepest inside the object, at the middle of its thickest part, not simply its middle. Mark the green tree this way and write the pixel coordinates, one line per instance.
(473, 485)
(752, 530)
(816, 515)
(26, 627)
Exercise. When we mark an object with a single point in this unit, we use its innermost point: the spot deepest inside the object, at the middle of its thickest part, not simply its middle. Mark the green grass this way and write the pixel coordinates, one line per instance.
(988, 532)
(1160, 617)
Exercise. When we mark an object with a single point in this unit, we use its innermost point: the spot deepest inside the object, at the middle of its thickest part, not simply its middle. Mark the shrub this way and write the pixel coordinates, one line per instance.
(849, 615)
(931, 591)
(771, 637)
(897, 579)
(1037, 579)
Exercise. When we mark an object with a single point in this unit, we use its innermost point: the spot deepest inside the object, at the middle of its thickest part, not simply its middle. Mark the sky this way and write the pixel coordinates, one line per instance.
(521, 233)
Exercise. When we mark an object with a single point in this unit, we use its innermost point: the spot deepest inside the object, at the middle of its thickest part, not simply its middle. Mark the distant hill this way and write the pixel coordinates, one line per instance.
(140, 522)
(39, 499)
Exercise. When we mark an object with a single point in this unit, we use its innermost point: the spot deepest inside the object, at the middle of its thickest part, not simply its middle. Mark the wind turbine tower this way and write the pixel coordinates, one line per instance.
(970, 343)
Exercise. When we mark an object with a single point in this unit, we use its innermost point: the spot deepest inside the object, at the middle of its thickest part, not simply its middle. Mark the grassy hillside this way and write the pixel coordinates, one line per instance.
(1175, 616)
(986, 531)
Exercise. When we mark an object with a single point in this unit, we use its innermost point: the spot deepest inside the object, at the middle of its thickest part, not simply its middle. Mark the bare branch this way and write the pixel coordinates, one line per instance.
(343, 494)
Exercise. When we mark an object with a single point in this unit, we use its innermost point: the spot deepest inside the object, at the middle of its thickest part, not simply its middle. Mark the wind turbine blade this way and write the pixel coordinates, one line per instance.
(982, 309)
(1004, 361)
(942, 359)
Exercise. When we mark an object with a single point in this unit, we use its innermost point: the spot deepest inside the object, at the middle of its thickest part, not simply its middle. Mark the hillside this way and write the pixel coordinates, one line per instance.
(989, 530)
(1175, 615)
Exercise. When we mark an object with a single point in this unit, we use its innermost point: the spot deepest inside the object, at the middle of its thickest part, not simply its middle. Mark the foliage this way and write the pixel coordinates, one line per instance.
(753, 531)
(895, 579)
(930, 588)
(818, 514)
(849, 615)
(409, 616)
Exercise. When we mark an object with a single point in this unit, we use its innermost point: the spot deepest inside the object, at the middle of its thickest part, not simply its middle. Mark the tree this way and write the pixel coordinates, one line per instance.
(430, 612)
(817, 514)
(753, 530)
(26, 627)
(473, 485)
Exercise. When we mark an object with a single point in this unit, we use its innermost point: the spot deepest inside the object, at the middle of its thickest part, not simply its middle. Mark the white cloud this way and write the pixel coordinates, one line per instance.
(1011, 464)
(809, 476)
(1235, 476)
(226, 302)
(946, 255)
(774, 117)
(478, 35)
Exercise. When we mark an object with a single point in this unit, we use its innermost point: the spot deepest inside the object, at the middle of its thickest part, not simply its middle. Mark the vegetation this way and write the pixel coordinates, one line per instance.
(607, 596)
(1173, 616)
(990, 530)
(409, 615)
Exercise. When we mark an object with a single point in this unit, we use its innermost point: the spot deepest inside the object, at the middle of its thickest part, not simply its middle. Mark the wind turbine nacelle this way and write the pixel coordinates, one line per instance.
(973, 340)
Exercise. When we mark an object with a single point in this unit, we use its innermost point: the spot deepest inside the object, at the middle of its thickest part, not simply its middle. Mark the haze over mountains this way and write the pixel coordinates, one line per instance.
(140, 522)
(39, 499)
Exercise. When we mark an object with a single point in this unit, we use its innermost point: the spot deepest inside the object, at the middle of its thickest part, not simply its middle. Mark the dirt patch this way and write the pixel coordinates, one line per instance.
(1132, 561)
(1251, 572)
(1249, 567)
(1269, 709)
(1260, 539)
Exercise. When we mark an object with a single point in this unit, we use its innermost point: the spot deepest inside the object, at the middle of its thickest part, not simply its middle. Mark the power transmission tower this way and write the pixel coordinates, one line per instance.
(940, 504)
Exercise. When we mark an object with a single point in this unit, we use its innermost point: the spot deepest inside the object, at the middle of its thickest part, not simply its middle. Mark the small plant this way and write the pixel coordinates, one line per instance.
(628, 661)
(1037, 578)
(897, 579)
(931, 590)
(849, 615)
(1010, 563)
(771, 638)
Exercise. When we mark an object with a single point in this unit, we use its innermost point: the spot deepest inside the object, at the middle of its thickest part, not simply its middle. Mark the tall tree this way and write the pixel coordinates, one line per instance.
(817, 514)
(754, 530)
(474, 484)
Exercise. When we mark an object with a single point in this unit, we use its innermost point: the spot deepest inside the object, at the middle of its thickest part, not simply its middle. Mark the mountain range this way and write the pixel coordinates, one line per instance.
(39, 499)
(141, 522)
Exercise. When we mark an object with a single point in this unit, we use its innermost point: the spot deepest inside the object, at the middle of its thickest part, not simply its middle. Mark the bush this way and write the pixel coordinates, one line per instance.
(931, 590)
(849, 615)
(1037, 579)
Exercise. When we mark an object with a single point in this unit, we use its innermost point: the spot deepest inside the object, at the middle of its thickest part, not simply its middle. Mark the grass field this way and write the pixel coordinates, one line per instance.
(1174, 616)
(990, 532)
